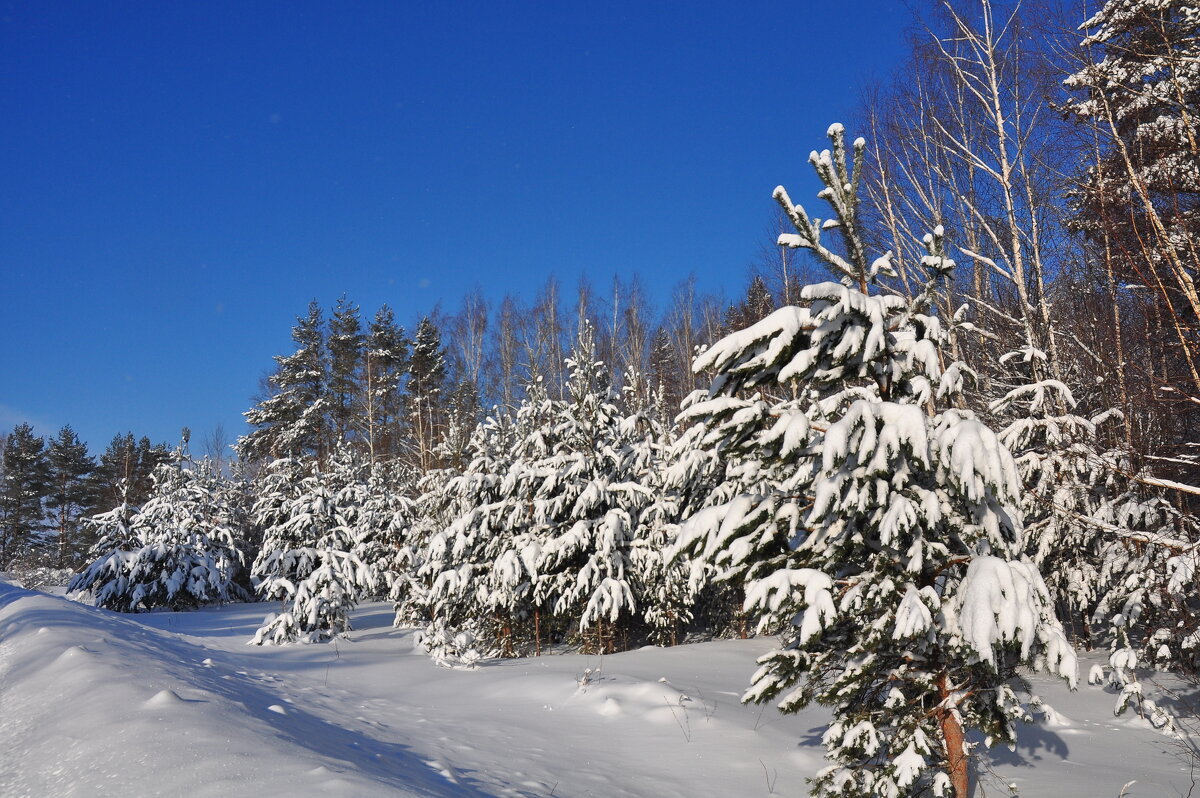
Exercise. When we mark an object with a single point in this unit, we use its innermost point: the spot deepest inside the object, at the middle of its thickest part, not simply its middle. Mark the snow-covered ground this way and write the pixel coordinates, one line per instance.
(93, 703)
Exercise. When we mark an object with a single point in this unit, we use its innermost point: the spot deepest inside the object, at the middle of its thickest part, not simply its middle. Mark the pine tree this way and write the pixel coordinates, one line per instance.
(384, 364)
(482, 539)
(383, 521)
(466, 614)
(179, 550)
(906, 610)
(69, 471)
(462, 416)
(346, 342)
(307, 560)
(190, 557)
(586, 506)
(26, 482)
(125, 472)
(1064, 477)
(293, 421)
(1146, 86)
(660, 585)
(424, 399)
(1139, 201)
(106, 574)
(756, 306)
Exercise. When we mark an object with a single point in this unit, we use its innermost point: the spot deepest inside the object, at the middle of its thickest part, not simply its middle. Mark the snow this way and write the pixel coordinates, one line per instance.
(998, 605)
(97, 703)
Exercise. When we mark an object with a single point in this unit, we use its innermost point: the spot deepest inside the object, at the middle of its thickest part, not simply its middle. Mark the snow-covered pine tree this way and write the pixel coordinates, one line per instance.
(463, 623)
(179, 550)
(1145, 89)
(479, 558)
(386, 513)
(733, 473)
(307, 560)
(292, 422)
(1139, 201)
(1149, 569)
(106, 574)
(587, 505)
(907, 608)
(660, 584)
(1064, 476)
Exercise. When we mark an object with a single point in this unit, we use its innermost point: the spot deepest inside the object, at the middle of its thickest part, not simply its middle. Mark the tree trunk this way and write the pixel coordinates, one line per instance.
(954, 740)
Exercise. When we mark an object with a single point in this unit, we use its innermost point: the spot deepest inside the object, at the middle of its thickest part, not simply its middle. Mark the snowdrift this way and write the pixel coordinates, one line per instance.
(96, 703)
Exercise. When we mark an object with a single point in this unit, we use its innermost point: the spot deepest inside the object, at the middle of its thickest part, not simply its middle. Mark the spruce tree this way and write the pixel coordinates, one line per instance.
(124, 472)
(106, 574)
(1064, 477)
(904, 603)
(479, 547)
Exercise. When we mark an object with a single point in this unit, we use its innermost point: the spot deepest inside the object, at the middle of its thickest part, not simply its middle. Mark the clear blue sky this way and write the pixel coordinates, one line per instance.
(179, 179)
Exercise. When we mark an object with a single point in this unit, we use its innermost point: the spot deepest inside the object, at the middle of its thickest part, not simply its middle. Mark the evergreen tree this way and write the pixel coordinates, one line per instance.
(106, 575)
(26, 482)
(462, 416)
(384, 518)
(1138, 203)
(1064, 478)
(424, 396)
(479, 549)
(465, 616)
(385, 362)
(756, 306)
(293, 421)
(906, 610)
(179, 550)
(1145, 88)
(346, 342)
(660, 585)
(588, 505)
(307, 560)
(125, 471)
(70, 494)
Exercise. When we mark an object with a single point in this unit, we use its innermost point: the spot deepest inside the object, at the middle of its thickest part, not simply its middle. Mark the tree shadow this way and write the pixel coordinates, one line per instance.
(1035, 742)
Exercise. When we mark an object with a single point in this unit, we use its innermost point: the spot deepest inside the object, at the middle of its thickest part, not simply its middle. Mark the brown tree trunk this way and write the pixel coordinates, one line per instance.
(954, 741)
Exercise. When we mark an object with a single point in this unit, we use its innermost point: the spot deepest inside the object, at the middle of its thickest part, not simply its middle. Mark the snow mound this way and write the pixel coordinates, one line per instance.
(164, 698)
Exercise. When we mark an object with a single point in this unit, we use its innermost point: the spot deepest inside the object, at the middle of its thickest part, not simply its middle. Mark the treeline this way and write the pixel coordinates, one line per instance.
(49, 487)
(407, 398)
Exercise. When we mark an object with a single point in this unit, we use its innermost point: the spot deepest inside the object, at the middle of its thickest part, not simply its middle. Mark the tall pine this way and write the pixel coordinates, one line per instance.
(24, 483)
(70, 492)
(293, 421)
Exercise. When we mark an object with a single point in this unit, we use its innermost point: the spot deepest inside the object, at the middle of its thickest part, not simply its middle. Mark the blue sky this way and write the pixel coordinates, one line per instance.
(178, 180)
